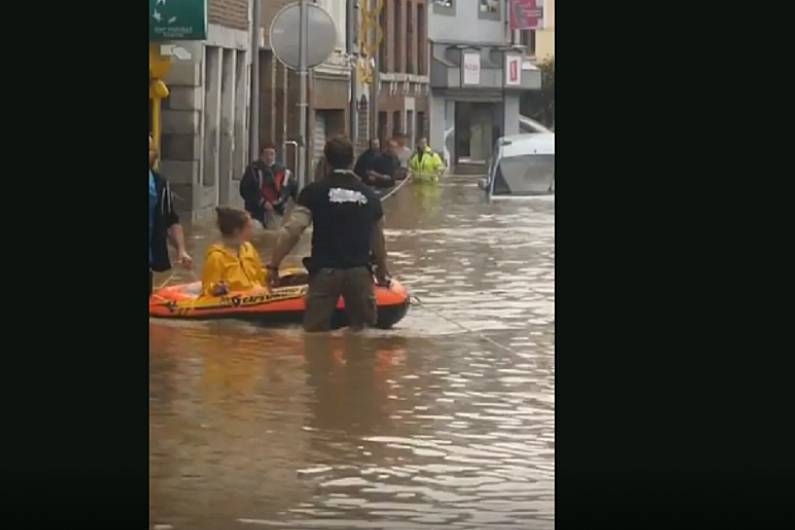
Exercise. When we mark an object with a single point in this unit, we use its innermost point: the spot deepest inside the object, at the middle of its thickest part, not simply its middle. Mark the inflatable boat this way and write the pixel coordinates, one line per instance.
(284, 303)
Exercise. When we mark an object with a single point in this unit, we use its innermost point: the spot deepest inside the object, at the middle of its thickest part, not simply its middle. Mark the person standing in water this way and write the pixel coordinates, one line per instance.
(163, 222)
(403, 150)
(403, 153)
(386, 167)
(266, 187)
(367, 160)
(375, 167)
(348, 227)
(425, 165)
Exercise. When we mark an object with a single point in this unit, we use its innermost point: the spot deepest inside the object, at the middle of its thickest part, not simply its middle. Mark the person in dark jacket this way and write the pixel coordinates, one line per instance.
(377, 168)
(163, 222)
(387, 167)
(266, 187)
(367, 160)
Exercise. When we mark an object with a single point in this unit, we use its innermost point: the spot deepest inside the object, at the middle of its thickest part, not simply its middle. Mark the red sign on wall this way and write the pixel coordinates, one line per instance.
(526, 14)
(513, 70)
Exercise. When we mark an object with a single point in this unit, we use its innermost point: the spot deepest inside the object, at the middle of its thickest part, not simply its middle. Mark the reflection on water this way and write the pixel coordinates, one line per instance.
(423, 426)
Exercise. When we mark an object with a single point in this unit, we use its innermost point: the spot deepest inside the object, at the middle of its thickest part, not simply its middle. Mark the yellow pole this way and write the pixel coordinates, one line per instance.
(156, 102)
(158, 68)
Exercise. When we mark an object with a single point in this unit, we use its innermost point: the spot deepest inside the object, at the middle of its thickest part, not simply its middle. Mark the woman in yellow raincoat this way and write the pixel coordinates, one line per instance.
(234, 264)
(424, 164)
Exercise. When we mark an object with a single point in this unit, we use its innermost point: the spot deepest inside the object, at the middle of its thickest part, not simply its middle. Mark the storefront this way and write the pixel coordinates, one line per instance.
(199, 101)
(329, 112)
(475, 91)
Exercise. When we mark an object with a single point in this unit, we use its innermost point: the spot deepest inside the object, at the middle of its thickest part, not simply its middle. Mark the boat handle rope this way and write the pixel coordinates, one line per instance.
(415, 300)
(171, 277)
(168, 280)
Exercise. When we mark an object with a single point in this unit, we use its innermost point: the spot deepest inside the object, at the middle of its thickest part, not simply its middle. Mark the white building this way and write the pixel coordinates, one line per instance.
(477, 76)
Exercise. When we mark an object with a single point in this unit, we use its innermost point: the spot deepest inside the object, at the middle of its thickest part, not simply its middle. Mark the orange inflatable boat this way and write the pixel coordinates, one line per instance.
(280, 304)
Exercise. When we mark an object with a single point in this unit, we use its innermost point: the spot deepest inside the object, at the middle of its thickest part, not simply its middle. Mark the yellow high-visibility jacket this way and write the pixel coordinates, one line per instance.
(426, 166)
(239, 271)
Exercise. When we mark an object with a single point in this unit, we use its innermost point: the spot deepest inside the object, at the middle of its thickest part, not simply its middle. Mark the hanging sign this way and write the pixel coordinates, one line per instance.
(471, 68)
(513, 70)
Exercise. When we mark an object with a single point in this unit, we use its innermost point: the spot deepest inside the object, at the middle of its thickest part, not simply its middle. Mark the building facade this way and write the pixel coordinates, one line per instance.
(328, 91)
(545, 36)
(205, 118)
(477, 74)
(540, 43)
(402, 83)
(204, 143)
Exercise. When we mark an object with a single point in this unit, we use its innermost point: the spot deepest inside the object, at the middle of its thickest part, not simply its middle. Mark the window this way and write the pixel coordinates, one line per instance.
(420, 125)
(489, 9)
(410, 43)
(382, 48)
(396, 123)
(527, 37)
(444, 7)
(398, 40)
(381, 125)
(420, 39)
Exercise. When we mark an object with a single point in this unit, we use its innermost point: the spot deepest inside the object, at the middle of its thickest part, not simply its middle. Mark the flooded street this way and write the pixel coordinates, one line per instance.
(445, 421)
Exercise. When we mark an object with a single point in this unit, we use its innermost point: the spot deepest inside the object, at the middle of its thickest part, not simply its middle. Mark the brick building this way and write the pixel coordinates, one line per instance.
(403, 82)
(204, 146)
(328, 91)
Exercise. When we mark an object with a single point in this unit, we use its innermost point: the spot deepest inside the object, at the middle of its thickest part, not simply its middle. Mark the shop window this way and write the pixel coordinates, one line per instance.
(489, 9)
(444, 7)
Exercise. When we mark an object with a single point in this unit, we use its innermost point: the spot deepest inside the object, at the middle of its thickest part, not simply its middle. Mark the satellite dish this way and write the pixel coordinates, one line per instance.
(285, 31)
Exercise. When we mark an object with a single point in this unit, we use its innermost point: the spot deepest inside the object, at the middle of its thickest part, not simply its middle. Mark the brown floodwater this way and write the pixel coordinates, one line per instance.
(445, 421)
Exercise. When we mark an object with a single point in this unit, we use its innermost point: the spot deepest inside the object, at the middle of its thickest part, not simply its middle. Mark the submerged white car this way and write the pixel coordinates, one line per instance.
(523, 164)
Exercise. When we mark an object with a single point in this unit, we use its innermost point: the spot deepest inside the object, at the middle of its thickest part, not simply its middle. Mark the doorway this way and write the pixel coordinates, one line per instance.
(475, 127)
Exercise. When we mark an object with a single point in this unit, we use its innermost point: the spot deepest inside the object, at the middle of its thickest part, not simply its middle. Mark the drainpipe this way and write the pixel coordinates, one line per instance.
(158, 68)
(350, 36)
(254, 107)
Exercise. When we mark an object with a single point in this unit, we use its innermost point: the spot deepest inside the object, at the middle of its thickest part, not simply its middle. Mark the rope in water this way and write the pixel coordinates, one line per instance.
(395, 189)
(436, 312)
(415, 300)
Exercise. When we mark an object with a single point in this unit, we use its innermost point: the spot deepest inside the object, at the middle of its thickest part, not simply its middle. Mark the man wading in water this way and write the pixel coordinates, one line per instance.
(348, 226)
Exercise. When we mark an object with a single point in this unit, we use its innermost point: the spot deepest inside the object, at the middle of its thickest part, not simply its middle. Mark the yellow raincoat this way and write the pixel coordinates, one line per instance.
(427, 168)
(239, 271)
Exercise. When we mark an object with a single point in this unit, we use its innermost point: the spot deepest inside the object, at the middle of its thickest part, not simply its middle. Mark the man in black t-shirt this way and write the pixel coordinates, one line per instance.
(348, 227)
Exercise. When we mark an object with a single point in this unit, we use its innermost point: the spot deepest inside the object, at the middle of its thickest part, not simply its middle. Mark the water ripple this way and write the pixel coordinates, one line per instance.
(425, 426)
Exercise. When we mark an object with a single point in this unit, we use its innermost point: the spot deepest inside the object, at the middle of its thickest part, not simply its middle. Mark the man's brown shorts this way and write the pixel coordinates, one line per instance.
(325, 287)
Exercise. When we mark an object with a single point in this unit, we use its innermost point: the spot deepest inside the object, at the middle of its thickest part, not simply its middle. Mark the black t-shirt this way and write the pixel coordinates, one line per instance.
(344, 213)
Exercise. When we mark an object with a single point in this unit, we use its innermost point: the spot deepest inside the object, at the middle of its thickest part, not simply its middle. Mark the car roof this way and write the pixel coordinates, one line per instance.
(519, 144)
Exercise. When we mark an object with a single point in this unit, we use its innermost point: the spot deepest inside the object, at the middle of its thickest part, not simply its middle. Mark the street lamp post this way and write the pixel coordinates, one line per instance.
(302, 99)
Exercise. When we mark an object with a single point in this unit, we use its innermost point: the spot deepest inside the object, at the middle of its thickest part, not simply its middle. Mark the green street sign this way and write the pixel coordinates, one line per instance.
(177, 19)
